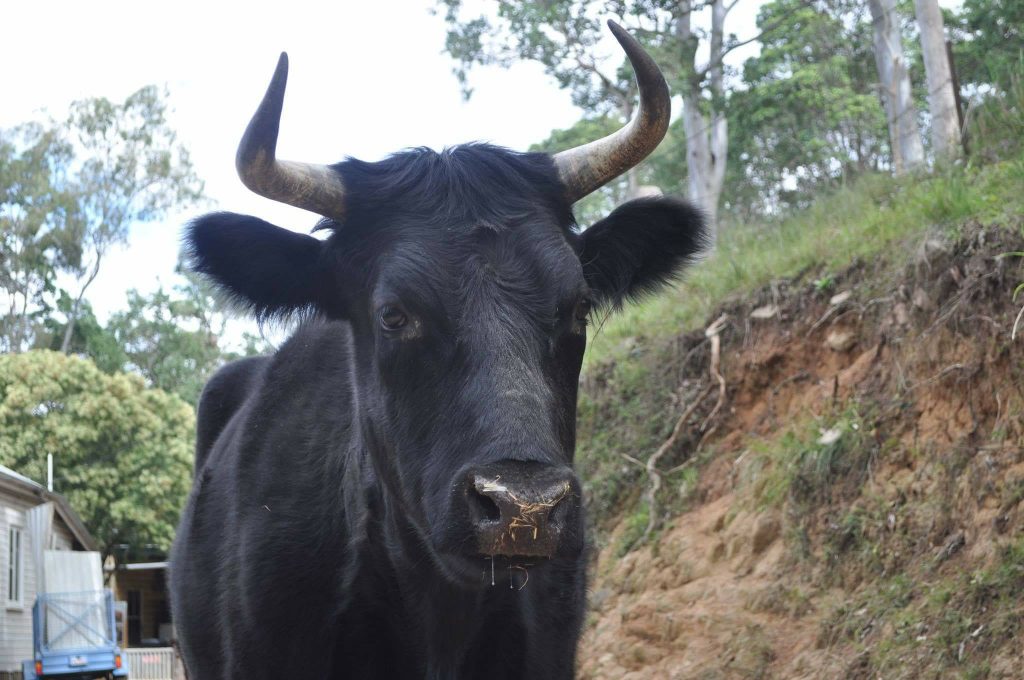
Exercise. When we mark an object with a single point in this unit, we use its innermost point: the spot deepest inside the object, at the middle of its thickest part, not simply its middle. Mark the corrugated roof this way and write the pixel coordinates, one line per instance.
(8, 472)
(64, 509)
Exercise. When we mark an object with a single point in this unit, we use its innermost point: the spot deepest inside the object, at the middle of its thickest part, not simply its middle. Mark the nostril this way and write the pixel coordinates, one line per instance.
(483, 507)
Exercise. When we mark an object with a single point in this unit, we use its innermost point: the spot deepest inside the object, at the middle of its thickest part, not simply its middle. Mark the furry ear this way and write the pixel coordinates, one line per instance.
(641, 246)
(267, 269)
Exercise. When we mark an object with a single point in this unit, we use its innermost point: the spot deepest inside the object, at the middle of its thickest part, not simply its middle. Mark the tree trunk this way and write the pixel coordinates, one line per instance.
(69, 330)
(698, 151)
(941, 99)
(719, 123)
(707, 136)
(22, 333)
(904, 137)
(18, 292)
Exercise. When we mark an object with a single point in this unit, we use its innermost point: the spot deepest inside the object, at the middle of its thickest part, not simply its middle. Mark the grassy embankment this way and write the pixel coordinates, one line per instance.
(878, 218)
(903, 554)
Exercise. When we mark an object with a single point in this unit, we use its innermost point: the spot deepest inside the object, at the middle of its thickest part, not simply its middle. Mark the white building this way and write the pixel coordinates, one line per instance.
(32, 519)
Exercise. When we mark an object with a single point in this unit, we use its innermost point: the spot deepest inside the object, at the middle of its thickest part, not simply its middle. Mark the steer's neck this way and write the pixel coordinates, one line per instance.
(415, 590)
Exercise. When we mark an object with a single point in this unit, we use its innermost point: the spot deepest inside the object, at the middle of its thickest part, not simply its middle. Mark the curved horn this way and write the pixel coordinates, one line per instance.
(304, 185)
(586, 168)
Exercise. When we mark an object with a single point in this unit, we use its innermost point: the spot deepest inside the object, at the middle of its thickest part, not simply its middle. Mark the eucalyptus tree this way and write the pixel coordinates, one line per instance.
(945, 122)
(38, 226)
(561, 34)
(896, 91)
(130, 168)
(806, 114)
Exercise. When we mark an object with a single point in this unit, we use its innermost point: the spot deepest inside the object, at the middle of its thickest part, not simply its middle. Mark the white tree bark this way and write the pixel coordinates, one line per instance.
(904, 136)
(707, 135)
(719, 123)
(76, 306)
(941, 99)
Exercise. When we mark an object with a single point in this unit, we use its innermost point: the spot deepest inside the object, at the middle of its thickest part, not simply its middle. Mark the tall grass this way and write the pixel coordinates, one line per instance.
(858, 221)
(875, 219)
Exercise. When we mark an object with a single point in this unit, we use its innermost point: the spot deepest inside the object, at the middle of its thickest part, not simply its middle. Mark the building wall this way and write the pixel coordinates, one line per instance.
(152, 590)
(16, 623)
(62, 538)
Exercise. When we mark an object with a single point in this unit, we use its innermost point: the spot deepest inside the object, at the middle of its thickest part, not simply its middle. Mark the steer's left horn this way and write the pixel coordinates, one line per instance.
(587, 168)
(312, 187)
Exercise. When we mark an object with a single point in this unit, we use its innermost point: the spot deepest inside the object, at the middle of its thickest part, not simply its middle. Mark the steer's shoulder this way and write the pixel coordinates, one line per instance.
(306, 383)
(317, 347)
(223, 395)
(288, 394)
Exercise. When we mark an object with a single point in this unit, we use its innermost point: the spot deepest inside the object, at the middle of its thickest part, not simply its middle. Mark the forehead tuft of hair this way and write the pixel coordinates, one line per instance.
(466, 186)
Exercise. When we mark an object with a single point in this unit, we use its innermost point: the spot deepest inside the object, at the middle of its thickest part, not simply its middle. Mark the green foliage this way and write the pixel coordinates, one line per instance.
(807, 462)
(990, 44)
(952, 622)
(888, 601)
(562, 37)
(989, 54)
(633, 531)
(163, 339)
(995, 124)
(70, 191)
(615, 420)
(804, 114)
(38, 223)
(559, 34)
(174, 339)
(131, 170)
(89, 337)
(130, 166)
(824, 283)
(123, 451)
(808, 114)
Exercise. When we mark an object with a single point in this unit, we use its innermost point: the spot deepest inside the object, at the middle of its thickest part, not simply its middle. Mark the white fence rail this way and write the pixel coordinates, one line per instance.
(157, 663)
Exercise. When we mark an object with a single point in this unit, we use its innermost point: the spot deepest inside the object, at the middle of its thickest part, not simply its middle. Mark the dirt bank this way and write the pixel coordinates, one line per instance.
(852, 504)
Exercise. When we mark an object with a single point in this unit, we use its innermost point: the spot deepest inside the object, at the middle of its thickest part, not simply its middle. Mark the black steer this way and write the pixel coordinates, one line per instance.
(391, 494)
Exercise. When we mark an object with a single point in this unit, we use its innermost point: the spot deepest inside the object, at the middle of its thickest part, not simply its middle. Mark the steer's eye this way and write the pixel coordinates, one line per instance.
(392, 318)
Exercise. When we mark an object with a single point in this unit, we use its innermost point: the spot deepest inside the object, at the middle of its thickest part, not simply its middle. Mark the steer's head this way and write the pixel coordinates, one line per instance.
(467, 287)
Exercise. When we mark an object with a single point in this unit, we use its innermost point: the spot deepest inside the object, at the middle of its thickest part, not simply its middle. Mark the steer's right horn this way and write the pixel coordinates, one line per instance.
(312, 187)
(587, 168)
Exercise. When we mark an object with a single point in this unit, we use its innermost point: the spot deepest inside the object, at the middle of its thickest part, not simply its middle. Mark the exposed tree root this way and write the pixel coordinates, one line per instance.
(654, 476)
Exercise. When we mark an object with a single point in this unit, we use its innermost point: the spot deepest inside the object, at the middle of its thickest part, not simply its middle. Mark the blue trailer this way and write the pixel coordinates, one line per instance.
(74, 636)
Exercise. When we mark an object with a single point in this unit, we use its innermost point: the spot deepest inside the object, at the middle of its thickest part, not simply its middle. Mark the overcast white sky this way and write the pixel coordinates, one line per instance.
(367, 78)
